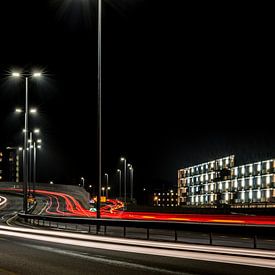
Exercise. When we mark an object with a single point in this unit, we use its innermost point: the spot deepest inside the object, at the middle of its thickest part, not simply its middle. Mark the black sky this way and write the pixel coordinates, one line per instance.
(182, 83)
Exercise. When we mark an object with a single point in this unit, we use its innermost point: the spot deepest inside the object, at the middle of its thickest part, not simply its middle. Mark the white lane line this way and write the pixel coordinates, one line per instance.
(43, 209)
(153, 244)
(221, 258)
(101, 259)
(3, 200)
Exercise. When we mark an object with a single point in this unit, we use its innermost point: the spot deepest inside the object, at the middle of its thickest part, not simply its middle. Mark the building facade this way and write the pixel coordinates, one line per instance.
(10, 165)
(220, 182)
(165, 199)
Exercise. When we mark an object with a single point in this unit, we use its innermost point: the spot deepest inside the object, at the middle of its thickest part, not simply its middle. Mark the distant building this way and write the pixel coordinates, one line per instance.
(219, 182)
(166, 199)
(10, 164)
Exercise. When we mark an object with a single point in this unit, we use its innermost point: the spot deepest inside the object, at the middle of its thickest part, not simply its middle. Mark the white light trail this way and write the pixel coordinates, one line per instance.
(251, 257)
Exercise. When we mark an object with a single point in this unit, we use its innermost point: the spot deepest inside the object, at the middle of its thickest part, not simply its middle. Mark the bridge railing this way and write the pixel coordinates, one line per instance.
(245, 230)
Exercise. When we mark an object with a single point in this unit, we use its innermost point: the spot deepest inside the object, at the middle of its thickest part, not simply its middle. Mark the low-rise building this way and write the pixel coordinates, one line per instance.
(220, 182)
(166, 199)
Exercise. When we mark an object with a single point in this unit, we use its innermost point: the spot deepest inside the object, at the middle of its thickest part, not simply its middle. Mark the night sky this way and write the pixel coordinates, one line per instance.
(182, 84)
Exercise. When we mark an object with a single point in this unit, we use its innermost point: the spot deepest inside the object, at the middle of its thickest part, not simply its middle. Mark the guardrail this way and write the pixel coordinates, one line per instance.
(252, 231)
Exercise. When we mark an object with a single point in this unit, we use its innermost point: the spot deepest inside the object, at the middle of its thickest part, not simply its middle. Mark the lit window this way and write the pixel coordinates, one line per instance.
(250, 168)
(243, 182)
(201, 178)
(227, 161)
(206, 187)
(268, 165)
(242, 195)
(267, 179)
(236, 172)
(259, 180)
(268, 193)
(226, 185)
(197, 199)
(258, 194)
(243, 170)
(259, 167)
(220, 162)
(159, 194)
(250, 194)
(226, 196)
(250, 181)
(206, 177)
(235, 183)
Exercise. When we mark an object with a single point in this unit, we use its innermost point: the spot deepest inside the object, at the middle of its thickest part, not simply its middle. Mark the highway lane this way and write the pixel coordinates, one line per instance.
(29, 254)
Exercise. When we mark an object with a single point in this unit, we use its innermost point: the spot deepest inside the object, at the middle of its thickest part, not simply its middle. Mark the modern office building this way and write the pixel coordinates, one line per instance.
(219, 182)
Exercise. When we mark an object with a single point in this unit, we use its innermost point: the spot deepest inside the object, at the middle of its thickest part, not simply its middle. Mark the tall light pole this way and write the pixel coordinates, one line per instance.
(30, 141)
(107, 185)
(36, 145)
(99, 4)
(119, 182)
(131, 169)
(26, 131)
(124, 177)
(83, 181)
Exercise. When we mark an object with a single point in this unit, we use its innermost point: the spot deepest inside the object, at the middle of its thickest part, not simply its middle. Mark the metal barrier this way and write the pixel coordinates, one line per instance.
(209, 228)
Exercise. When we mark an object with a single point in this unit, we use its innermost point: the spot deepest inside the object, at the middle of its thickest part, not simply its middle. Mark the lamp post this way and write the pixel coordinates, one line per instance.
(99, 14)
(103, 191)
(83, 181)
(36, 145)
(119, 182)
(107, 183)
(131, 169)
(124, 177)
(26, 131)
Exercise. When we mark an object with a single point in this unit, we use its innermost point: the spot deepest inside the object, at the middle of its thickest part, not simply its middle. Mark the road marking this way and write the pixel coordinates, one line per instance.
(43, 209)
(102, 259)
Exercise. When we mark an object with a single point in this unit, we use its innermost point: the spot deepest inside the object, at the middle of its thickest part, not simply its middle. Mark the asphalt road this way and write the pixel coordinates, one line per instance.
(27, 256)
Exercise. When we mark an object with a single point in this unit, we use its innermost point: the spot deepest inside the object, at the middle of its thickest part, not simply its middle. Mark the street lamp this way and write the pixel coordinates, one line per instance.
(131, 169)
(107, 183)
(99, 17)
(119, 181)
(124, 177)
(83, 181)
(26, 128)
(103, 190)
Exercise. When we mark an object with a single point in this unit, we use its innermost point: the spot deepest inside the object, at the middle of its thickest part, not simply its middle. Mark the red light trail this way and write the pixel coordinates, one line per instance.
(113, 210)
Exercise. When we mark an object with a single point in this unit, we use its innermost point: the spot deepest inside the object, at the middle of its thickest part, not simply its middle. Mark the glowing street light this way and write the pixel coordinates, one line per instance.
(16, 74)
(18, 110)
(33, 110)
